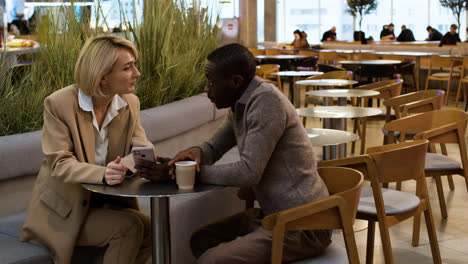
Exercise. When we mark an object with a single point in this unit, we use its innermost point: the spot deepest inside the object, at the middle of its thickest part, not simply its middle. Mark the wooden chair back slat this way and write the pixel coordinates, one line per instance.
(393, 164)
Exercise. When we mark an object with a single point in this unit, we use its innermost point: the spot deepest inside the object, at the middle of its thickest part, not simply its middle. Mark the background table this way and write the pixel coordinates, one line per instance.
(292, 75)
(330, 140)
(321, 83)
(11, 54)
(417, 60)
(159, 194)
(371, 68)
(341, 94)
(285, 61)
(337, 114)
(334, 117)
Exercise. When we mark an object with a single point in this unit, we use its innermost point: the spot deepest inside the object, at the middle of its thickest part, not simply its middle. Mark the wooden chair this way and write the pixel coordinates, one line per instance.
(387, 89)
(273, 52)
(327, 58)
(463, 79)
(337, 211)
(442, 63)
(264, 71)
(328, 68)
(439, 127)
(257, 52)
(385, 164)
(411, 103)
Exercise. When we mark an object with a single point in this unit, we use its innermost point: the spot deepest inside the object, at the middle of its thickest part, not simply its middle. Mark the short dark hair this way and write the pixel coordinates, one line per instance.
(391, 25)
(233, 59)
(428, 27)
(297, 31)
(454, 26)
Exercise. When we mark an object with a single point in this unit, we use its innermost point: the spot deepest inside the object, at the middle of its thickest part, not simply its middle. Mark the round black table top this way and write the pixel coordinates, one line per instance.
(296, 73)
(138, 187)
(343, 93)
(371, 62)
(280, 57)
(320, 137)
(338, 111)
(326, 82)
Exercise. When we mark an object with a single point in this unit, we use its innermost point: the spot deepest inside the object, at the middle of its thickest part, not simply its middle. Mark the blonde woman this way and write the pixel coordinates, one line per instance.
(88, 127)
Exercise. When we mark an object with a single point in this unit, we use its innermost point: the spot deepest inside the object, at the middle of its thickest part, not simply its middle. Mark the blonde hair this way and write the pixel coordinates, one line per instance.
(96, 59)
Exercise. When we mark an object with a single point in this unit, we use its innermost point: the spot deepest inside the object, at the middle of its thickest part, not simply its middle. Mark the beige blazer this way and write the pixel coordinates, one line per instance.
(58, 203)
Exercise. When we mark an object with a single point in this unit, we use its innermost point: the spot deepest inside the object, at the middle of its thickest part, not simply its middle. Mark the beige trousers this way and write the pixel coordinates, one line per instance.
(241, 239)
(126, 232)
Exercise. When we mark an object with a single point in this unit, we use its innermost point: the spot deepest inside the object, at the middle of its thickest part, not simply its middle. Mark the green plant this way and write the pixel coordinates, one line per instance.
(457, 7)
(361, 7)
(172, 40)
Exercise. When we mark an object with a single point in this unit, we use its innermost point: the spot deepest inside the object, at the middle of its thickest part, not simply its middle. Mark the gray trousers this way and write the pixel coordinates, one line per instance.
(241, 239)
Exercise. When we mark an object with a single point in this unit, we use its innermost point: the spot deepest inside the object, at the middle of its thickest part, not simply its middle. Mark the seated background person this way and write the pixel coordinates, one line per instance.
(276, 160)
(329, 35)
(451, 37)
(387, 32)
(300, 40)
(406, 34)
(434, 34)
(88, 127)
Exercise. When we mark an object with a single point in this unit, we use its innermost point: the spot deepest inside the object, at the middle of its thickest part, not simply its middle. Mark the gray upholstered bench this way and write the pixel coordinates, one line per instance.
(13, 251)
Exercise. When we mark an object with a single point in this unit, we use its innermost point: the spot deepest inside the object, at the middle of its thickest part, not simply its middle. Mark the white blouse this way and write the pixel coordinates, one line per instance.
(101, 141)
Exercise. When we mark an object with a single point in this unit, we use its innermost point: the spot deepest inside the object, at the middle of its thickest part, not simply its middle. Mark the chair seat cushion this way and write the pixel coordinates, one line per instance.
(14, 251)
(395, 202)
(435, 161)
(333, 254)
(445, 74)
(395, 134)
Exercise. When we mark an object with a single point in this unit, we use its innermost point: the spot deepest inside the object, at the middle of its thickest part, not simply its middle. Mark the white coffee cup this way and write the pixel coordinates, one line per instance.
(185, 174)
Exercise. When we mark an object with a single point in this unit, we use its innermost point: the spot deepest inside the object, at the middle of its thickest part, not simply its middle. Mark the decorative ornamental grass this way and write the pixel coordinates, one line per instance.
(172, 41)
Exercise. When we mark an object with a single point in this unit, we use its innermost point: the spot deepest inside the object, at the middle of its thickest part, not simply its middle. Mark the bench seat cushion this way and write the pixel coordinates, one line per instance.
(12, 251)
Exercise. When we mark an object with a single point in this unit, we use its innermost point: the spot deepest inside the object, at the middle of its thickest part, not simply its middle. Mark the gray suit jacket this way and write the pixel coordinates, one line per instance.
(276, 156)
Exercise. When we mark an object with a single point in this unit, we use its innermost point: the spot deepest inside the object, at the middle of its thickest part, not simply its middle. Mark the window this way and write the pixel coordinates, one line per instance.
(441, 18)
(413, 14)
(317, 16)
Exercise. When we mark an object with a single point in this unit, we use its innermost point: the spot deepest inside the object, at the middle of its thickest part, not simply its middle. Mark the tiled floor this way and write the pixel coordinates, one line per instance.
(452, 232)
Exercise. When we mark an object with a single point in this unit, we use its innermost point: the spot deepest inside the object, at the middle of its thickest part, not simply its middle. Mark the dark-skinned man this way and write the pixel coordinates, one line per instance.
(276, 161)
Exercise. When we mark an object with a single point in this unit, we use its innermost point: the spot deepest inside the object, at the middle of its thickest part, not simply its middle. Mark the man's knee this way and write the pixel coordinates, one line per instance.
(131, 226)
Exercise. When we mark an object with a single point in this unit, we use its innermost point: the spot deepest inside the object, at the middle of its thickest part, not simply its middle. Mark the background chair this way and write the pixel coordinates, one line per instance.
(387, 89)
(328, 68)
(411, 103)
(439, 127)
(257, 52)
(264, 71)
(337, 211)
(389, 207)
(442, 63)
(463, 79)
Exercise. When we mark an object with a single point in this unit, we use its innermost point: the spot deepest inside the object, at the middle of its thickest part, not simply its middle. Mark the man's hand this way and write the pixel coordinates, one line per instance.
(154, 171)
(115, 172)
(193, 153)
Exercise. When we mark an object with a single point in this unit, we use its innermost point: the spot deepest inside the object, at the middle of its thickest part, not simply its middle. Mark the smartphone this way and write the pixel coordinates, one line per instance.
(144, 153)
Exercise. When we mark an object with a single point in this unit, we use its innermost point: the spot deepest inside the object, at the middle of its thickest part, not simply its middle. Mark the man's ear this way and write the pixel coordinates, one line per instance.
(238, 80)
